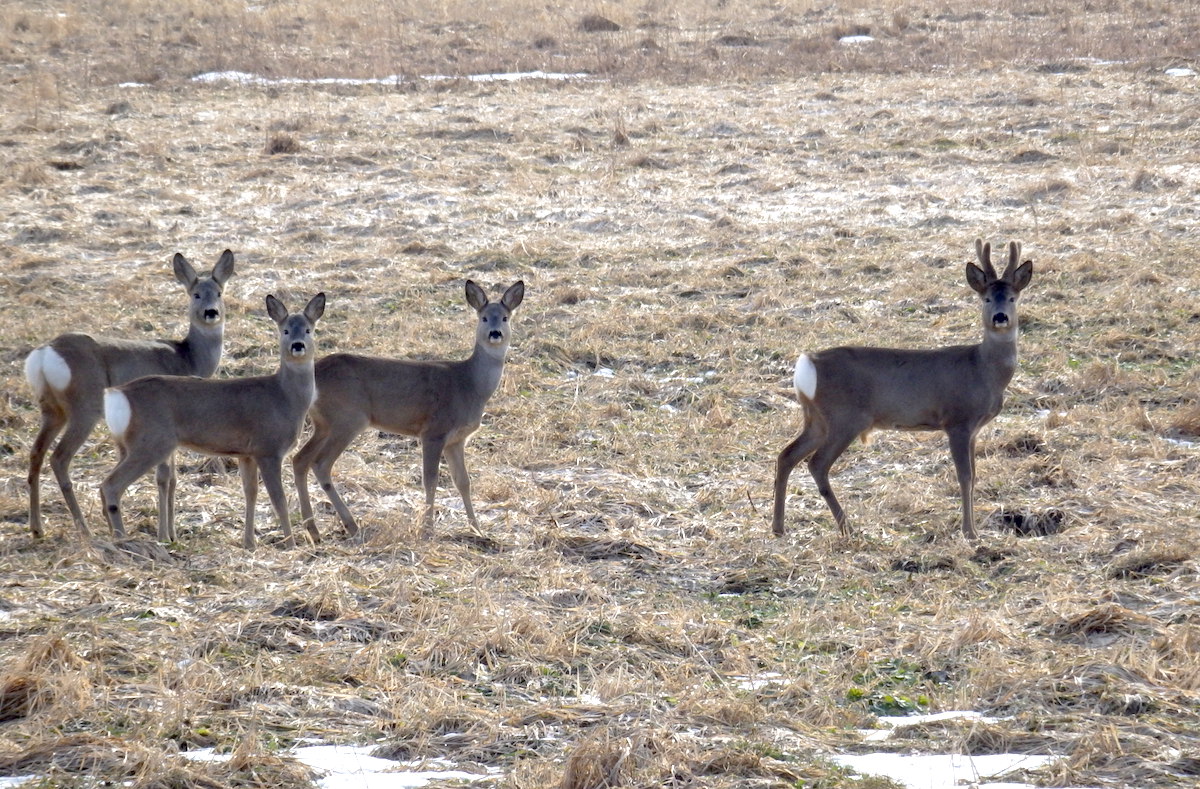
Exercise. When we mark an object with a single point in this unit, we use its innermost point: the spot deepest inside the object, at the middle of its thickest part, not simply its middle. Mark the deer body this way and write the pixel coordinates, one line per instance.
(69, 376)
(256, 419)
(439, 402)
(849, 391)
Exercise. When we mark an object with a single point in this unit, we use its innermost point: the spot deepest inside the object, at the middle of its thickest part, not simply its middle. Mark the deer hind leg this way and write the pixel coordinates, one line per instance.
(792, 455)
(53, 421)
(131, 466)
(962, 451)
(80, 424)
(822, 461)
(302, 461)
(319, 454)
(166, 478)
(457, 461)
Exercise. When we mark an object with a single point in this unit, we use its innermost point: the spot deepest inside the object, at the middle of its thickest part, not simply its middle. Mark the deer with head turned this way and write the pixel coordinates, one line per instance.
(440, 402)
(850, 391)
(70, 373)
(257, 420)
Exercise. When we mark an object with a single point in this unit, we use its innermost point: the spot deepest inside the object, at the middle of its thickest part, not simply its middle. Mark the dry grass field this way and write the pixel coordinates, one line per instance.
(730, 185)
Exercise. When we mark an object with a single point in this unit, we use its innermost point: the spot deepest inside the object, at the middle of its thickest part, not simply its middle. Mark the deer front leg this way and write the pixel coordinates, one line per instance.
(431, 456)
(166, 479)
(249, 470)
(962, 450)
(457, 461)
(272, 476)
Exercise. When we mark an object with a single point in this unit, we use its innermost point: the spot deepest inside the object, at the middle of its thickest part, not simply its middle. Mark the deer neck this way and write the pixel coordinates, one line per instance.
(298, 380)
(202, 348)
(998, 351)
(485, 367)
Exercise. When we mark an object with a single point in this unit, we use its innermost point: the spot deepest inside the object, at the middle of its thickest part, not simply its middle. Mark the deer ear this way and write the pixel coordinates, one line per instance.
(224, 268)
(1020, 278)
(475, 296)
(276, 310)
(184, 271)
(515, 294)
(315, 307)
(976, 278)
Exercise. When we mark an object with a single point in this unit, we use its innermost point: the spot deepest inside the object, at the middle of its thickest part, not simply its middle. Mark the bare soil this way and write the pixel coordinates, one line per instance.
(681, 240)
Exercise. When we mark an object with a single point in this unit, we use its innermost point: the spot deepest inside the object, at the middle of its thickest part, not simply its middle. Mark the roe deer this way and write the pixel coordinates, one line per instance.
(439, 402)
(69, 376)
(849, 391)
(256, 420)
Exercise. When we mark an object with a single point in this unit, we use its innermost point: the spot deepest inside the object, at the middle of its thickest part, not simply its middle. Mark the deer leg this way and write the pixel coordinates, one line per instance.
(166, 479)
(80, 424)
(457, 461)
(795, 452)
(53, 421)
(962, 450)
(131, 466)
(321, 457)
(431, 455)
(249, 471)
(819, 464)
(272, 475)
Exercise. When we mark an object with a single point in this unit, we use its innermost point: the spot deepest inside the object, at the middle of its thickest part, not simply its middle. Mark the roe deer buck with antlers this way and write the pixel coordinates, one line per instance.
(849, 391)
(257, 420)
(69, 376)
(439, 402)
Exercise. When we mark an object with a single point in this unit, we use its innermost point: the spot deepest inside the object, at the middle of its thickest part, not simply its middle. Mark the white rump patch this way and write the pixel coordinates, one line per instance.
(116, 411)
(45, 366)
(805, 379)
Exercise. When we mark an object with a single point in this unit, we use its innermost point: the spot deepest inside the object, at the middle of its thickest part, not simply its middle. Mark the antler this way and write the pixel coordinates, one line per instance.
(984, 253)
(1014, 257)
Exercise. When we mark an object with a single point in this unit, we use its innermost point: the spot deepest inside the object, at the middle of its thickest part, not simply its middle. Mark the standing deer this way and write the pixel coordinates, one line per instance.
(69, 375)
(850, 391)
(257, 420)
(439, 402)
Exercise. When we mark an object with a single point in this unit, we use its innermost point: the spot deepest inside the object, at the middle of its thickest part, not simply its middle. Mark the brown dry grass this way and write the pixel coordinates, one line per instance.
(688, 227)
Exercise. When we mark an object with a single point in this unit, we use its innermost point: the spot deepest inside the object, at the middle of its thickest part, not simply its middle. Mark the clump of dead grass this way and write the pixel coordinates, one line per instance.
(48, 679)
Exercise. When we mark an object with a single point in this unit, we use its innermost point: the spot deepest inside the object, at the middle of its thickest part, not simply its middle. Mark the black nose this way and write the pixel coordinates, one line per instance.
(211, 314)
(999, 319)
(298, 348)
(496, 334)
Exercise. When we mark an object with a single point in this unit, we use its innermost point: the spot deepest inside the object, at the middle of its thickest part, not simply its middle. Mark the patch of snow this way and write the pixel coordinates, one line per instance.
(244, 78)
(937, 771)
(759, 682)
(890, 723)
(1180, 72)
(856, 39)
(353, 767)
